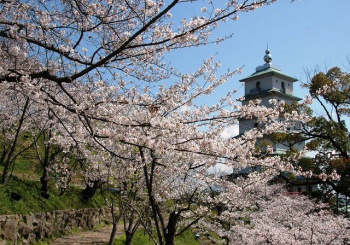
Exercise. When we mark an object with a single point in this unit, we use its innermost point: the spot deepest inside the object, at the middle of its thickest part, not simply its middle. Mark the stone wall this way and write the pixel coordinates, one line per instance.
(27, 229)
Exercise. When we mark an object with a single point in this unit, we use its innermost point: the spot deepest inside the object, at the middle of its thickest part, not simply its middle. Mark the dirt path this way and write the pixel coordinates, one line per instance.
(98, 236)
(101, 237)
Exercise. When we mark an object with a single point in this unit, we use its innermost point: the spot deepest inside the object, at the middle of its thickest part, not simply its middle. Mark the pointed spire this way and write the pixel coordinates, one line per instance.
(268, 62)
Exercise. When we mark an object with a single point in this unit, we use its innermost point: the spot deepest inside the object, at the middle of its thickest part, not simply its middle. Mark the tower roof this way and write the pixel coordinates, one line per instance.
(268, 69)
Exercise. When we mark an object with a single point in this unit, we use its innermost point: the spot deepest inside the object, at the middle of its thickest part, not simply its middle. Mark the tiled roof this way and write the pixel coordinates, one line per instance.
(270, 70)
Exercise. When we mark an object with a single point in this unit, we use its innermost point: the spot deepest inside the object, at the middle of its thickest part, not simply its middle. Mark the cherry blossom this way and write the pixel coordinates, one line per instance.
(96, 71)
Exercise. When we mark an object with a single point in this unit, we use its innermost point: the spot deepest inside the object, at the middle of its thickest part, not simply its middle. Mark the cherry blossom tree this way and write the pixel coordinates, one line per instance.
(83, 39)
(14, 113)
(125, 196)
(285, 219)
(99, 68)
(172, 154)
(69, 53)
(47, 151)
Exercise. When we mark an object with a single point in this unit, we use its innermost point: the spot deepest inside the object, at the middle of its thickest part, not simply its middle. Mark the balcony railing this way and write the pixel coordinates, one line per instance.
(255, 91)
(258, 90)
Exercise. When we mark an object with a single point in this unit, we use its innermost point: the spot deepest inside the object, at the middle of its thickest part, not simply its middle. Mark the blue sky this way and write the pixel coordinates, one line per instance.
(301, 35)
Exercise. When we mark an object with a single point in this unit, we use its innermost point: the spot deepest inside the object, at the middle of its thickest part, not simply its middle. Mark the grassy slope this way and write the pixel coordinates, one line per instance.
(25, 182)
(31, 200)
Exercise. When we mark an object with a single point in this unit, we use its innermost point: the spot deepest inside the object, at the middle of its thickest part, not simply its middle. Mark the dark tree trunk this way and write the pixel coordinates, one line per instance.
(157, 215)
(50, 154)
(115, 221)
(113, 233)
(4, 178)
(10, 158)
(128, 232)
(169, 233)
(45, 164)
(169, 240)
(132, 228)
(90, 191)
(128, 238)
(44, 182)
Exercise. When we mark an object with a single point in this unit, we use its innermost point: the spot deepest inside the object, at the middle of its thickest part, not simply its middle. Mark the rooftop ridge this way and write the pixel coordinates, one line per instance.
(267, 66)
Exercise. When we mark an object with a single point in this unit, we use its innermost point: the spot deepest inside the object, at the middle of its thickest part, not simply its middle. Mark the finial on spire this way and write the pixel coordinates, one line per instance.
(268, 60)
(268, 56)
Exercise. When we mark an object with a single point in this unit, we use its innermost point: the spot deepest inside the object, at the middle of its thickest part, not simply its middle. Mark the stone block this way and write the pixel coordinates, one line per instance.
(39, 232)
(24, 230)
(78, 221)
(78, 214)
(34, 227)
(49, 216)
(25, 242)
(2, 219)
(31, 238)
(49, 229)
(39, 215)
(14, 217)
(91, 222)
(29, 220)
(37, 222)
(10, 230)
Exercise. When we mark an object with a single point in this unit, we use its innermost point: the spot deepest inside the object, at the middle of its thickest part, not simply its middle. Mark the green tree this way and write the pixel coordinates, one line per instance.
(326, 132)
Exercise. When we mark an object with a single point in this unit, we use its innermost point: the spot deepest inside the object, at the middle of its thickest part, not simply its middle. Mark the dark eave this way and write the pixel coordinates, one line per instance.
(268, 72)
(272, 91)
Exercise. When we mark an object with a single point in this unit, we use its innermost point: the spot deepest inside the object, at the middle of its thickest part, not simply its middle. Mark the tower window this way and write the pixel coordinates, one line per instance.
(283, 87)
(258, 85)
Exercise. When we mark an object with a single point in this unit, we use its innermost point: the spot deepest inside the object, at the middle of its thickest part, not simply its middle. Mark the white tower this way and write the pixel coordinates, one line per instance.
(268, 82)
